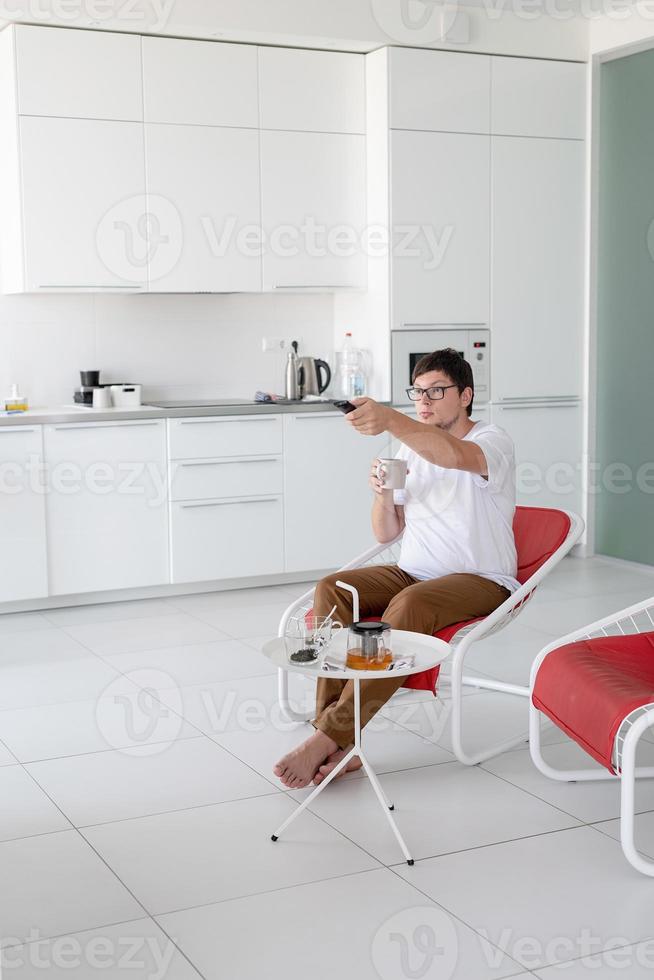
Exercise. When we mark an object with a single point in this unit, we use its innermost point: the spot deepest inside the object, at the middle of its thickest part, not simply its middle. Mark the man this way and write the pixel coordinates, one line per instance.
(458, 558)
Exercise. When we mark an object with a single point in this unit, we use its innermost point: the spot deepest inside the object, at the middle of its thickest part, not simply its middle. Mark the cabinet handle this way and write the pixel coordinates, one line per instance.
(526, 405)
(226, 418)
(550, 399)
(127, 423)
(455, 324)
(89, 285)
(225, 503)
(17, 428)
(317, 285)
(227, 462)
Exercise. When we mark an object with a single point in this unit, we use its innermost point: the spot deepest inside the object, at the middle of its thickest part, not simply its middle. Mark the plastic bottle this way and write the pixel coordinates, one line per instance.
(16, 402)
(351, 375)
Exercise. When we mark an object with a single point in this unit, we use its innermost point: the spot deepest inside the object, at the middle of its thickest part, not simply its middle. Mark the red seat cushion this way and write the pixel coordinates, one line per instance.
(587, 688)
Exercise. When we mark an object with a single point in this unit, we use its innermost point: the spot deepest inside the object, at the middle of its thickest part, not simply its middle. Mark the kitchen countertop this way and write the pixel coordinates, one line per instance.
(65, 413)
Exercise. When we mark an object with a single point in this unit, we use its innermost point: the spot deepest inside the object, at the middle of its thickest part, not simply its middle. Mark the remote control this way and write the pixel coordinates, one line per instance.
(345, 407)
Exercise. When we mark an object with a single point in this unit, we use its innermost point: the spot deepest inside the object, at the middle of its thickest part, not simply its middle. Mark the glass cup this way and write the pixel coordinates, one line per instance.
(305, 638)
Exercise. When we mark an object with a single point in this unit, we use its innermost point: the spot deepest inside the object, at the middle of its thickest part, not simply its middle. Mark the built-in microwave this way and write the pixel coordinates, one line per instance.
(410, 343)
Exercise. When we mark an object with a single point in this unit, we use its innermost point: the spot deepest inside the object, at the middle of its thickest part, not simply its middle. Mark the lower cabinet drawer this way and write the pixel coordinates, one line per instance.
(219, 539)
(207, 479)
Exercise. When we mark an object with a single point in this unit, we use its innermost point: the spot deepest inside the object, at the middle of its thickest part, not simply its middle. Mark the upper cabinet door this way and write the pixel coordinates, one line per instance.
(440, 211)
(313, 210)
(320, 91)
(206, 186)
(439, 90)
(538, 267)
(84, 221)
(538, 98)
(207, 83)
(85, 74)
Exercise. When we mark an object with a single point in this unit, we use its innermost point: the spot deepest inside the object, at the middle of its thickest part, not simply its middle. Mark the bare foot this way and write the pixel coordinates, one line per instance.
(298, 768)
(331, 763)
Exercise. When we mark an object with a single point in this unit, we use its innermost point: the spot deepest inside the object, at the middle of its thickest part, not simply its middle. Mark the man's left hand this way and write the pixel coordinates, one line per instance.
(370, 418)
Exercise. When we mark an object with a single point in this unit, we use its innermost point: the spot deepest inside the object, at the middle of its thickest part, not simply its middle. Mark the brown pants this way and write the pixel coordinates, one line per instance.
(406, 604)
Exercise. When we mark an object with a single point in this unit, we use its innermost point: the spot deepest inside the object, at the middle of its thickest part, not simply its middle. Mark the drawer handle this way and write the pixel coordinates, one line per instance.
(522, 408)
(225, 503)
(227, 418)
(228, 462)
(105, 425)
(17, 428)
(317, 285)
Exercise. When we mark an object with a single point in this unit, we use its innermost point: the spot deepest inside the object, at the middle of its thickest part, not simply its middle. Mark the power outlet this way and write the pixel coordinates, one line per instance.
(275, 344)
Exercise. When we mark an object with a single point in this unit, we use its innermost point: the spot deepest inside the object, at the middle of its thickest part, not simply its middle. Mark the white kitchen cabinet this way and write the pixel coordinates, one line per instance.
(320, 91)
(223, 539)
(22, 514)
(327, 500)
(210, 177)
(439, 90)
(106, 510)
(538, 267)
(213, 436)
(83, 209)
(202, 479)
(84, 74)
(440, 211)
(313, 210)
(532, 97)
(548, 445)
(206, 83)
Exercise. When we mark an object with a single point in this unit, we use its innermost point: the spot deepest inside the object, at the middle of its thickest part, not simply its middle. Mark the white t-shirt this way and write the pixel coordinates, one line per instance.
(458, 521)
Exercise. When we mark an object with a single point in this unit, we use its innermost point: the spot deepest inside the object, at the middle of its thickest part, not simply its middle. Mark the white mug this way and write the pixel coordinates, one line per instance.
(392, 473)
(101, 398)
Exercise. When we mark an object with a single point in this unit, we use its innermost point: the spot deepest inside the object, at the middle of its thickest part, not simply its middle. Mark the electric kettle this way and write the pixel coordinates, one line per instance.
(310, 377)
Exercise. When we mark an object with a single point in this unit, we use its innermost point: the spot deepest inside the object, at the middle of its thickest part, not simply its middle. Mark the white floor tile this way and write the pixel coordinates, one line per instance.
(103, 612)
(117, 721)
(55, 884)
(594, 576)
(53, 670)
(201, 663)
(538, 898)
(19, 622)
(366, 926)
(241, 622)
(588, 801)
(508, 655)
(107, 786)
(437, 809)
(139, 949)
(635, 962)
(129, 635)
(644, 828)
(248, 704)
(26, 810)
(177, 860)
(388, 747)
(565, 615)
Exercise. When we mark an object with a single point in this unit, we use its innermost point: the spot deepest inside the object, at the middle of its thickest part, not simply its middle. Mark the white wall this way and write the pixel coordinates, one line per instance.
(353, 25)
(177, 346)
(616, 29)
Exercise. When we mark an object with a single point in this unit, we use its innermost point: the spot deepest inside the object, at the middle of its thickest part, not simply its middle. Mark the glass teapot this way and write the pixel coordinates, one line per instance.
(369, 646)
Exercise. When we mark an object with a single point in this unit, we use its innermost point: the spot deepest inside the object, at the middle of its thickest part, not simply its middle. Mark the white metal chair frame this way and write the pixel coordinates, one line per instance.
(635, 619)
(460, 643)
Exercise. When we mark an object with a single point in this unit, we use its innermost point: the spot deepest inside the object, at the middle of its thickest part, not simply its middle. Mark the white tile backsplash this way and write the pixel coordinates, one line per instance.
(176, 346)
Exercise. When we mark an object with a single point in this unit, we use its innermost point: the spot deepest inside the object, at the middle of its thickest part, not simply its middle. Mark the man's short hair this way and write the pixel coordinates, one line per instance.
(451, 363)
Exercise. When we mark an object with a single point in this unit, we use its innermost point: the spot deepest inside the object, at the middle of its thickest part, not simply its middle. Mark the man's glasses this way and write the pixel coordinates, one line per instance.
(434, 394)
